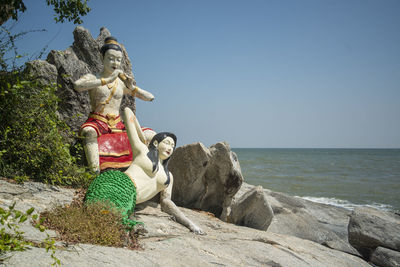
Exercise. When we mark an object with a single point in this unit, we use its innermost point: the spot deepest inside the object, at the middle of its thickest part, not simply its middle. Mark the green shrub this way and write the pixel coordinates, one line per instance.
(34, 140)
(11, 238)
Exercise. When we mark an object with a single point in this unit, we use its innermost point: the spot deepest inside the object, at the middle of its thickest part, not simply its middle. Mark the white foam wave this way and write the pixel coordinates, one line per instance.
(347, 204)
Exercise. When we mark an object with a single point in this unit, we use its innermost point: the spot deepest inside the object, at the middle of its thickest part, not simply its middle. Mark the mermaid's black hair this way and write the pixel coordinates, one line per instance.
(153, 152)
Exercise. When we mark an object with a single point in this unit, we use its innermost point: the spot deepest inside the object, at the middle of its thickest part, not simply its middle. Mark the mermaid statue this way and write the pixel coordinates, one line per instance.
(146, 176)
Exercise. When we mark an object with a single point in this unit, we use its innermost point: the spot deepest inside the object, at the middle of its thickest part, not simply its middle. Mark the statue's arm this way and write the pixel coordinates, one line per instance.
(143, 94)
(168, 206)
(90, 81)
(86, 82)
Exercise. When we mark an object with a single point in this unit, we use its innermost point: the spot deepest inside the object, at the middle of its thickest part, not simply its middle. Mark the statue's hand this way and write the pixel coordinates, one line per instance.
(115, 74)
(197, 230)
(130, 80)
(147, 96)
(143, 94)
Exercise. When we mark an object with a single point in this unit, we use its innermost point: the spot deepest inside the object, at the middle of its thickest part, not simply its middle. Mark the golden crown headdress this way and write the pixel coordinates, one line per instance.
(111, 41)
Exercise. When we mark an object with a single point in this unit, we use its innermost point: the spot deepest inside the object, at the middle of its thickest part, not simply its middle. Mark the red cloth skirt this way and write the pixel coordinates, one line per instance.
(115, 151)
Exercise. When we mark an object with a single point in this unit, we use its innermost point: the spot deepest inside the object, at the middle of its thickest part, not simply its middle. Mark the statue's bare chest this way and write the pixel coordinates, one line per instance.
(103, 93)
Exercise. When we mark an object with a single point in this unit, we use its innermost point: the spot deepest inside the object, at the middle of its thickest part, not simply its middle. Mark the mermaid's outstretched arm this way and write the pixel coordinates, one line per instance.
(168, 206)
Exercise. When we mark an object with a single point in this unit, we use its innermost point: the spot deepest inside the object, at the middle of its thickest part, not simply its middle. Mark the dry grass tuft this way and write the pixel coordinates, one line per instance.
(94, 224)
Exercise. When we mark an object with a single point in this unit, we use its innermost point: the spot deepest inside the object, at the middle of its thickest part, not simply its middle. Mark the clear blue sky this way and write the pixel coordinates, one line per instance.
(254, 73)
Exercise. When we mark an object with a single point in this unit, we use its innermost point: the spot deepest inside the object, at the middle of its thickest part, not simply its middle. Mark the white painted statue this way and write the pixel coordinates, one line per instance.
(106, 90)
(147, 173)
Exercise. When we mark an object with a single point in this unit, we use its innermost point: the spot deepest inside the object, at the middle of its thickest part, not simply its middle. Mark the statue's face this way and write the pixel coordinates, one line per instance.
(165, 148)
(112, 60)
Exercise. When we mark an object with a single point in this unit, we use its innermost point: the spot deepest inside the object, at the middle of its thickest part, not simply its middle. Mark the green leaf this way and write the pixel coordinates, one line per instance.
(12, 206)
(23, 218)
(29, 212)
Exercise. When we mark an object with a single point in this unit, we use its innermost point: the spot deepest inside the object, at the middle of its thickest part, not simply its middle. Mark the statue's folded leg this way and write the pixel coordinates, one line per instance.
(91, 148)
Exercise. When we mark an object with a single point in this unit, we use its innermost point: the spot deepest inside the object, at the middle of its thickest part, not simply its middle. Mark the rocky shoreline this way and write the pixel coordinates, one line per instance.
(166, 242)
(295, 232)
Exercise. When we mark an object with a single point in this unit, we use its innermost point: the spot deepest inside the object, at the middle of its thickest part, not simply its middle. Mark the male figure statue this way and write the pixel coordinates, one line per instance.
(106, 90)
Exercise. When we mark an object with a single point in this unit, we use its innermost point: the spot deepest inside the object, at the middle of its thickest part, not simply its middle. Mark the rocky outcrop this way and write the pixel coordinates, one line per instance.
(251, 209)
(321, 223)
(44, 72)
(205, 179)
(208, 178)
(384, 257)
(168, 243)
(65, 67)
(200, 183)
(37, 195)
(370, 229)
(372, 234)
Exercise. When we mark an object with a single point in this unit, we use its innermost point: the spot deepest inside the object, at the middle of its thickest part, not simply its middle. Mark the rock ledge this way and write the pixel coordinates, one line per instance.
(168, 243)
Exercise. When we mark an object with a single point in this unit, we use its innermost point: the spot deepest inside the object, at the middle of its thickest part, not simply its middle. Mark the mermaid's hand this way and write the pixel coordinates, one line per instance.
(197, 230)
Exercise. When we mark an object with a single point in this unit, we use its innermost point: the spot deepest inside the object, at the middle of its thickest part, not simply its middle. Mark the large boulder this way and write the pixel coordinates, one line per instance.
(370, 228)
(384, 257)
(251, 209)
(65, 67)
(205, 179)
(208, 179)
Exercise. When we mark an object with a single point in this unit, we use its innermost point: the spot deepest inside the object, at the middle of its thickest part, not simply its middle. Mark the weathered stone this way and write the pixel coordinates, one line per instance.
(74, 106)
(44, 72)
(223, 178)
(87, 49)
(30, 194)
(321, 223)
(67, 66)
(168, 243)
(370, 228)
(205, 179)
(251, 209)
(37, 195)
(384, 257)
(188, 165)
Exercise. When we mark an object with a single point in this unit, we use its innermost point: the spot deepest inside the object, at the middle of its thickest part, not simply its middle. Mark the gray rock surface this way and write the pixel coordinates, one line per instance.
(370, 228)
(324, 224)
(168, 243)
(205, 179)
(384, 257)
(64, 67)
(251, 209)
(37, 195)
(44, 72)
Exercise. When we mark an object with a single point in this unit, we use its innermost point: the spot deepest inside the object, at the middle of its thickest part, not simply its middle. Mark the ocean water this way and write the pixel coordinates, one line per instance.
(341, 177)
